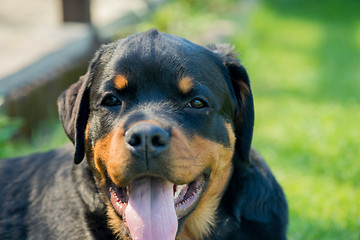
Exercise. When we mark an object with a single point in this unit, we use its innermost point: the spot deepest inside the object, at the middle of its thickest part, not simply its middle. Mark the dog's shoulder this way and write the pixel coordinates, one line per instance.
(254, 200)
(37, 195)
(20, 175)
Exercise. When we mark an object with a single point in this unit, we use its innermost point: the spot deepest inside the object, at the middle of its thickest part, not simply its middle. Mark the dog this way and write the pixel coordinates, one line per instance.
(161, 131)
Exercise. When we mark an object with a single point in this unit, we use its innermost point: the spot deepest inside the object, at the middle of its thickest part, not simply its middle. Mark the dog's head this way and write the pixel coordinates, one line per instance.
(163, 123)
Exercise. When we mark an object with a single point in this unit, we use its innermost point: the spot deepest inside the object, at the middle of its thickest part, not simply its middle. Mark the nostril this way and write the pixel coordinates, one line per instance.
(135, 140)
(159, 140)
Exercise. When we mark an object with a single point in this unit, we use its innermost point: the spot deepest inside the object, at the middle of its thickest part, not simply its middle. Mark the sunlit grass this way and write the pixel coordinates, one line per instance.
(357, 34)
(320, 207)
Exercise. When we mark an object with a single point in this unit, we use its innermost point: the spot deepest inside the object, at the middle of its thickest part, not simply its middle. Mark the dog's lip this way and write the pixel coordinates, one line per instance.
(186, 196)
(118, 198)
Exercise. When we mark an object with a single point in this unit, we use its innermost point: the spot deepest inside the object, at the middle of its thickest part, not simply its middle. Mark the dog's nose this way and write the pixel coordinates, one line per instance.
(146, 139)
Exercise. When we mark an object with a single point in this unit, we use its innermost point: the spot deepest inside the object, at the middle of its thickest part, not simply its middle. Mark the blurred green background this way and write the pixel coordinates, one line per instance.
(303, 58)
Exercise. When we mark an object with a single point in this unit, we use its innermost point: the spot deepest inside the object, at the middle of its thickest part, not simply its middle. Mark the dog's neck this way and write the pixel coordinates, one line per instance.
(89, 192)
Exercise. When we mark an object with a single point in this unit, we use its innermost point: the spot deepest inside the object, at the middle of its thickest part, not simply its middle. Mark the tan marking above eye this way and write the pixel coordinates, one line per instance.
(120, 82)
(186, 84)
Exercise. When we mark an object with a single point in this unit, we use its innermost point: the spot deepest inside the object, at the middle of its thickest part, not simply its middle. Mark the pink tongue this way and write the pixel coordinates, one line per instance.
(150, 214)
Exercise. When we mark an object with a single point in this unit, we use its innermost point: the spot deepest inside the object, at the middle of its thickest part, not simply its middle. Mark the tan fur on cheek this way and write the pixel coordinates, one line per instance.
(111, 156)
(198, 225)
(184, 157)
(106, 160)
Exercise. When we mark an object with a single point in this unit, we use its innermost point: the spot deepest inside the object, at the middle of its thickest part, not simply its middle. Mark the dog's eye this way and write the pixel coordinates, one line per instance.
(110, 101)
(197, 103)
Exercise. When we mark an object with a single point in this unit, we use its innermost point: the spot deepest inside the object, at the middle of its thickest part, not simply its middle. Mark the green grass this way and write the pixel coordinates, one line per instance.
(303, 60)
(49, 136)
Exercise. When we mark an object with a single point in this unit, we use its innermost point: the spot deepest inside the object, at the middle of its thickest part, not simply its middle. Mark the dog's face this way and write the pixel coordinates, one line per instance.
(159, 120)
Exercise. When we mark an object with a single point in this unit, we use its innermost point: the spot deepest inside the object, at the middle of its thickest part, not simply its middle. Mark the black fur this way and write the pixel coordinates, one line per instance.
(46, 196)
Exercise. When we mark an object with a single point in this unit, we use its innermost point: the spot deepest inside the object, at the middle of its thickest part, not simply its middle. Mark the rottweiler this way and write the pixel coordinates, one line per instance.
(161, 131)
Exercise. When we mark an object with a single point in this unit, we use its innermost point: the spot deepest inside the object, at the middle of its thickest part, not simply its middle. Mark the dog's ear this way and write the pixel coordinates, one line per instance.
(73, 107)
(73, 112)
(244, 116)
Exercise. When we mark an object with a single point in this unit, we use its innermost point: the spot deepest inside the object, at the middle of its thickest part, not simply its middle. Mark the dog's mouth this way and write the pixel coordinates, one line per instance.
(150, 203)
